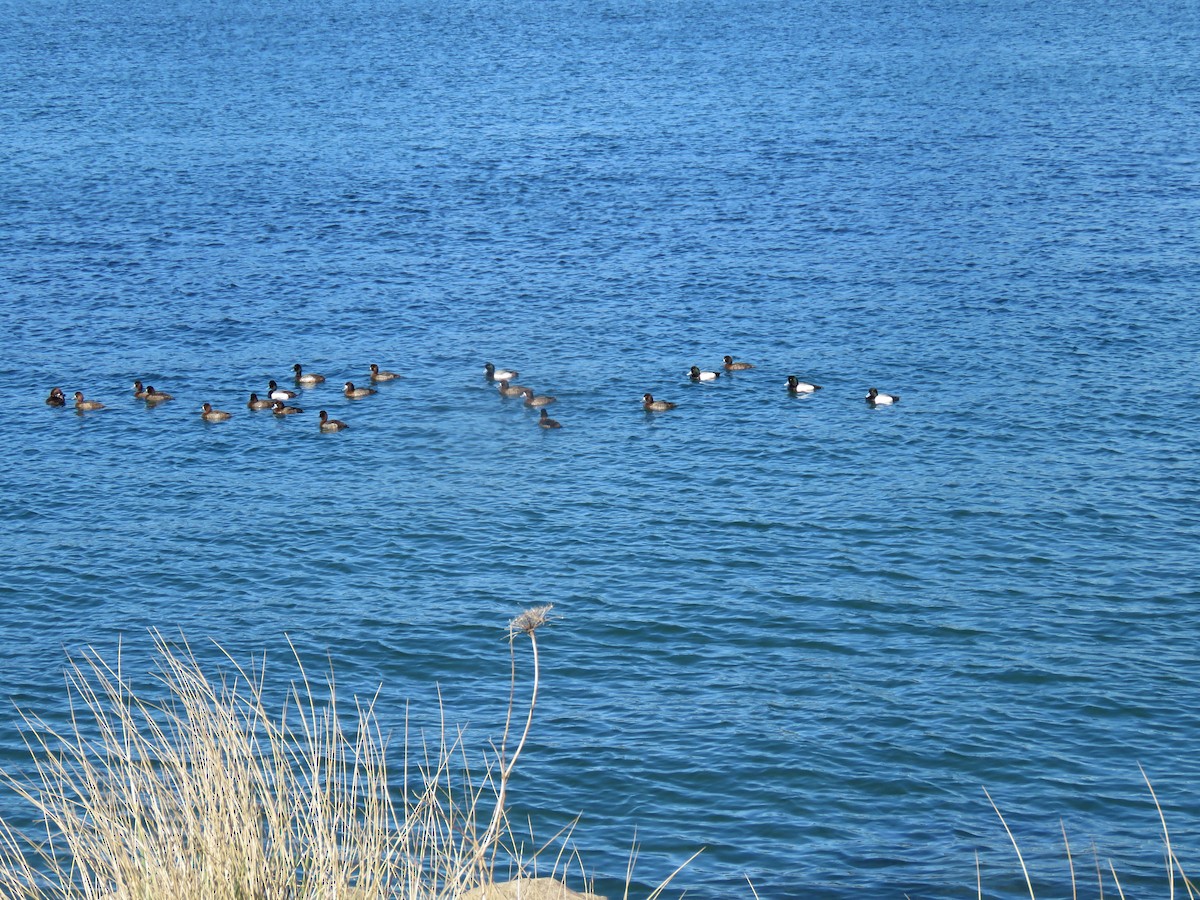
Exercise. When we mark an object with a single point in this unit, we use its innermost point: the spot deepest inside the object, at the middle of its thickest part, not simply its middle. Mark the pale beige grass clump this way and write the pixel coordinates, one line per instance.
(207, 794)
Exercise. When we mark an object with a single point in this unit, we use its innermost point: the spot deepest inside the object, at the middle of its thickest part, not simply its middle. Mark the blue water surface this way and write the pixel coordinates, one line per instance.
(798, 632)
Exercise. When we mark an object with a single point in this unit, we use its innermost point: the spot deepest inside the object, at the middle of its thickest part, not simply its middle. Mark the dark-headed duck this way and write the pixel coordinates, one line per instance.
(379, 375)
(208, 414)
(255, 403)
(544, 421)
(275, 392)
(153, 396)
(279, 409)
(81, 404)
(697, 375)
(310, 378)
(651, 405)
(731, 366)
(328, 424)
(509, 390)
(796, 386)
(877, 399)
(356, 393)
(532, 399)
(491, 373)
(56, 398)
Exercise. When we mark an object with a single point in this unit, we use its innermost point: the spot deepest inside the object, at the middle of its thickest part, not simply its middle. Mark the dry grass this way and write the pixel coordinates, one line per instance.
(1177, 880)
(207, 794)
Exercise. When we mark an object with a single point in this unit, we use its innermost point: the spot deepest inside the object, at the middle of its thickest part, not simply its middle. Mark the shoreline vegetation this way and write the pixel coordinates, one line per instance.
(206, 793)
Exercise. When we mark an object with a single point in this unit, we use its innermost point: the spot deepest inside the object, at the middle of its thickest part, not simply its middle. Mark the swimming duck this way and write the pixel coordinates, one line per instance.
(279, 409)
(696, 375)
(328, 424)
(544, 421)
(356, 393)
(651, 405)
(56, 398)
(532, 399)
(377, 375)
(731, 366)
(138, 391)
(494, 374)
(81, 404)
(795, 386)
(153, 396)
(255, 403)
(208, 414)
(509, 390)
(877, 399)
(310, 378)
(275, 392)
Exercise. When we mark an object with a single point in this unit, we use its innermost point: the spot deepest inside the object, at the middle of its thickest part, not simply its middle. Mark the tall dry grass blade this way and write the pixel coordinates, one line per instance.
(1116, 881)
(1172, 862)
(1070, 861)
(978, 878)
(1099, 874)
(1021, 859)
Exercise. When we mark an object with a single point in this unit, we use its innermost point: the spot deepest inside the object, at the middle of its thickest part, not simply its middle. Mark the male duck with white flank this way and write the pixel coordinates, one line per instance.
(796, 386)
(275, 392)
(651, 405)
(877, 399)
(309, 378)
(697, 375)
(491, 373)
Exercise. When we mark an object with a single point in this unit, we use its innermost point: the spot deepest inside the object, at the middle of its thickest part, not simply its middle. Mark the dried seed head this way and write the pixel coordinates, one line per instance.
(530, 621)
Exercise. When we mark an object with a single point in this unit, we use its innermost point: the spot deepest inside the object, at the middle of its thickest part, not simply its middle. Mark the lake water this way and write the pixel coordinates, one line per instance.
(799, 632)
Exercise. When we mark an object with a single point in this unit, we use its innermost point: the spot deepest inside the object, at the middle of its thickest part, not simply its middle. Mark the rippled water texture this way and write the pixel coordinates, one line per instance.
(797, 631)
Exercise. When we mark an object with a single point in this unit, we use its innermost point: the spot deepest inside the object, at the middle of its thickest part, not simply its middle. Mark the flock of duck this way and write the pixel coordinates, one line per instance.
(276, 398)
(504, 379)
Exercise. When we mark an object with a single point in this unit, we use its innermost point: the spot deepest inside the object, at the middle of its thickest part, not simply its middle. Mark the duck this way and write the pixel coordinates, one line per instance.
(544, 421)
(877, 399)
(57, 397)
(279, 409)
(532, 399)
(356, 393)
(138, 391)
(796, 386)
(275, 392)
(328, 424)
(510, 390)
(491, 373)
(208, 414)
(255, 403)
(696, 375)
(81, 404)
(731, 366)
(651, 405)
(377, 375)
(310, 378)
(153, 396)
